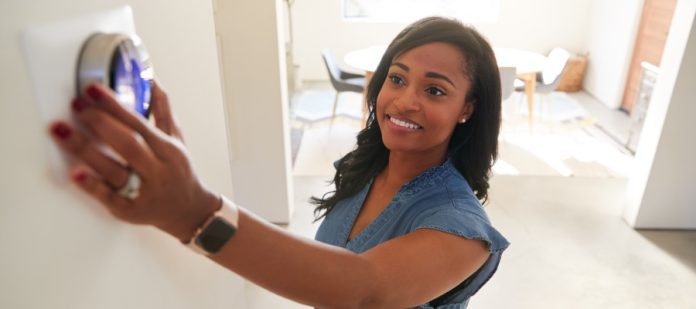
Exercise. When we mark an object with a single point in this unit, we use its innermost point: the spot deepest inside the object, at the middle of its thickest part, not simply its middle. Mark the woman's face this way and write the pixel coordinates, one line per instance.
(422, 99)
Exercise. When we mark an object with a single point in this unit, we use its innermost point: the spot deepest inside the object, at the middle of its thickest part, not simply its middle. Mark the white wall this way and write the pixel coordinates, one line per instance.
(613, 28)
(661, 191)
(60, 248)
(253, 59)
(536, 25)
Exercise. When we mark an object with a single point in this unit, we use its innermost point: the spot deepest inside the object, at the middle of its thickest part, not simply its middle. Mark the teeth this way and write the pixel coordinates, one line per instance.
(404, 124)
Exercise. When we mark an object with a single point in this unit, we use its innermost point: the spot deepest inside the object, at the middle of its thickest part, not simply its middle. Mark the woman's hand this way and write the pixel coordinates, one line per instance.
(170, 196)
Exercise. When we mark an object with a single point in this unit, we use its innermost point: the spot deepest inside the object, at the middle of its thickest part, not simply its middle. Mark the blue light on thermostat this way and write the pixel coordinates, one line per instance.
(121, 63)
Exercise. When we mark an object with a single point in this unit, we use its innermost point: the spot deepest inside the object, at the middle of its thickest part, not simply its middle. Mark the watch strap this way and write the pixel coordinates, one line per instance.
(228, 212)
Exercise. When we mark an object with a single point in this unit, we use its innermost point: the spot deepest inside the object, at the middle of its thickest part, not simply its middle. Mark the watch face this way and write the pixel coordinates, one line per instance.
(215, 235)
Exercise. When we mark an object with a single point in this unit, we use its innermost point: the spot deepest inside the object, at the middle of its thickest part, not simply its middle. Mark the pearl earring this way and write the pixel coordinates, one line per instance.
(462, 121)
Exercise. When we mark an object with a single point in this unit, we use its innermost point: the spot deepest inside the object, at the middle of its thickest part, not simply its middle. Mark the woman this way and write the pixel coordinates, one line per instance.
(404, 227)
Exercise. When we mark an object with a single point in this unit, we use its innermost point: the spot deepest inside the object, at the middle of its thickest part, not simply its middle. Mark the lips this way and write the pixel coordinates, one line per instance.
(403, 123)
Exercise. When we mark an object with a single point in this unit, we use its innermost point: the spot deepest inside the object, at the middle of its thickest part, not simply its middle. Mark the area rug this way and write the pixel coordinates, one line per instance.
(312, 106)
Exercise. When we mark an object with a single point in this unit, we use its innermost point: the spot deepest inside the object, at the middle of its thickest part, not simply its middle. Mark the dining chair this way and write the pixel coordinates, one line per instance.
(341, 80)
(548, 79)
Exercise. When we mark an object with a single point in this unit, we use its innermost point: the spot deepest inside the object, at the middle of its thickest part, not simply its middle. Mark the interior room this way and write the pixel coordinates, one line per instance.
(592, 185)
(582, 139)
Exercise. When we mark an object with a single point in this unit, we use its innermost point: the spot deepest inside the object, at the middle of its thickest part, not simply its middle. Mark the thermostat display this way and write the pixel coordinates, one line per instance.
(121, 63)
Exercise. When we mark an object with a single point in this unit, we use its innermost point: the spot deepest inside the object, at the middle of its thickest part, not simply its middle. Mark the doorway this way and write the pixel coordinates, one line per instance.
(650, 43)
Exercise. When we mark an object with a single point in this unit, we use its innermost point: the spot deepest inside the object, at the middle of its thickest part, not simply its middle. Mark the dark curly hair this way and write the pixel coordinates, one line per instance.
(473, 147)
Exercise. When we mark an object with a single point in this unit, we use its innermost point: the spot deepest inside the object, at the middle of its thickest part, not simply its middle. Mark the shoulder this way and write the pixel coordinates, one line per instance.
(453, 208)
(449, 192)
(464, 222)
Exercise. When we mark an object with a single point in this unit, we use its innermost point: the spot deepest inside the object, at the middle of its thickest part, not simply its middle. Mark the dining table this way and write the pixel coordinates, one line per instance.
(527, 63)
(366, 60)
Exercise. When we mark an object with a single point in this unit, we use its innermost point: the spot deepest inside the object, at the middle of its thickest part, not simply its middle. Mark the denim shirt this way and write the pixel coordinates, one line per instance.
(439, 199)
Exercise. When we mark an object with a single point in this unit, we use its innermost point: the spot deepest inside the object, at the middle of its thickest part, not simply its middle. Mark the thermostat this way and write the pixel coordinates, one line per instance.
(120, 62)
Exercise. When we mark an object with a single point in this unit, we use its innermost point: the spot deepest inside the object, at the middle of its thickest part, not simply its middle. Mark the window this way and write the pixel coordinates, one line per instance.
(467, 11)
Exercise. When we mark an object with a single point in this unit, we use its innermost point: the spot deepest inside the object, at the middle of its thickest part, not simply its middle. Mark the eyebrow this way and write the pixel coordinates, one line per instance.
(427, 74)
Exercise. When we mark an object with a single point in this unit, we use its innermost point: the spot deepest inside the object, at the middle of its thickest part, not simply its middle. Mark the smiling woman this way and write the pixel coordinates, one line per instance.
(424, 158)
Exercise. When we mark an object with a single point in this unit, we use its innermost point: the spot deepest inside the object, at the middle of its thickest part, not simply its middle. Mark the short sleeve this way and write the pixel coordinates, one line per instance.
(468, 221)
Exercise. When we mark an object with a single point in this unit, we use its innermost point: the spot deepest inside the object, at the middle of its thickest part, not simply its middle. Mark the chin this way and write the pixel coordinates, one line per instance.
(401, 146)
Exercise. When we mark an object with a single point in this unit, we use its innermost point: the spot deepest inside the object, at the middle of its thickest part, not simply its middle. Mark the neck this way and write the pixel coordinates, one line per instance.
(403, 167)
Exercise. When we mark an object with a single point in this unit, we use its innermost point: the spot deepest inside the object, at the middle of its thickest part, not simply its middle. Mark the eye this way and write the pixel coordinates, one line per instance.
(396, 79)
(435, 91)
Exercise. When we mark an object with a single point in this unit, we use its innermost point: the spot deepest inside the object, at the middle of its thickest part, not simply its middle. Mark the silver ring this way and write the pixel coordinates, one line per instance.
(131, 189)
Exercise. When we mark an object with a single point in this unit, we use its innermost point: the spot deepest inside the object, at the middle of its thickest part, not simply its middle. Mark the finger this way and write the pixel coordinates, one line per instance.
(126, 142)
(164, 119)
(88, 152)
(105, 99)
(117, 205)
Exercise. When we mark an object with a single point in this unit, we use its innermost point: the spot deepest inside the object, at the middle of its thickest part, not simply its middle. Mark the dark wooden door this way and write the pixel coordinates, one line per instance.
(650, 42)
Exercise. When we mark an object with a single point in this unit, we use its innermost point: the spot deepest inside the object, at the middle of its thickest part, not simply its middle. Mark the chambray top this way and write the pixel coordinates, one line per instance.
(440, 199)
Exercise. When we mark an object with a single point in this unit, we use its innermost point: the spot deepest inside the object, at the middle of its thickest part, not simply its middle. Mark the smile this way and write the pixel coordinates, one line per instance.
(403, 123)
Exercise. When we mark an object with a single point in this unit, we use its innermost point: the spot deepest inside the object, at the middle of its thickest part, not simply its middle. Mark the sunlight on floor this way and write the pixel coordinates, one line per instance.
(563, 136)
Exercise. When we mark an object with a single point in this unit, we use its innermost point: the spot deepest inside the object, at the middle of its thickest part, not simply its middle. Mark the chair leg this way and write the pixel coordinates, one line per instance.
(333, 113)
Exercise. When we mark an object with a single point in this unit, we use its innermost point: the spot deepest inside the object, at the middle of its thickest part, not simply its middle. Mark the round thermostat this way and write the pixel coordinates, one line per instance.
(121, 63)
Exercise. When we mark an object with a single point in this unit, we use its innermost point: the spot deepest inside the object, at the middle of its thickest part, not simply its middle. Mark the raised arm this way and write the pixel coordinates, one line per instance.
(404, 272)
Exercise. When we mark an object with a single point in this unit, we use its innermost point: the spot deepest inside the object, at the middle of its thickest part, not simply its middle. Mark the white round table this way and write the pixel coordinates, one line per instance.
(528, 64)
(525, 61)
(366, 59)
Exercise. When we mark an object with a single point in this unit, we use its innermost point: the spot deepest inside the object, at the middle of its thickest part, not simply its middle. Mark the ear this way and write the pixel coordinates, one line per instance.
(467, 110)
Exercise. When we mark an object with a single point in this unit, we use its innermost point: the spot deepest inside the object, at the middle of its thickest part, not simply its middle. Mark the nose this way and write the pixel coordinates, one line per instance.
(408, 101)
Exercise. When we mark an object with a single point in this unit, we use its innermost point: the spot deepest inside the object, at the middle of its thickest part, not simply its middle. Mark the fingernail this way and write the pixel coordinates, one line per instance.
(94, 92)
(79, 105)
(61, 130)
(79, 176)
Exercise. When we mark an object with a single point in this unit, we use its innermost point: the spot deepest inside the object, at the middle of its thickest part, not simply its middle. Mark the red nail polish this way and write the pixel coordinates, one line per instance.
(61, 130)
(79, 176)
(94, 92)
(79, 105)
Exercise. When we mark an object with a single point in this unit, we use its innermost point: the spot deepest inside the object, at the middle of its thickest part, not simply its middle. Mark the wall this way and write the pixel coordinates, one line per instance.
(522, 24)
(661, 192)
(60, 248)
(612, 31)
(253, 61)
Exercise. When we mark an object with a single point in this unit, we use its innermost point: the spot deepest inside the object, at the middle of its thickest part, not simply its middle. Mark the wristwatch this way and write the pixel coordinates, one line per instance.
(217, 230)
